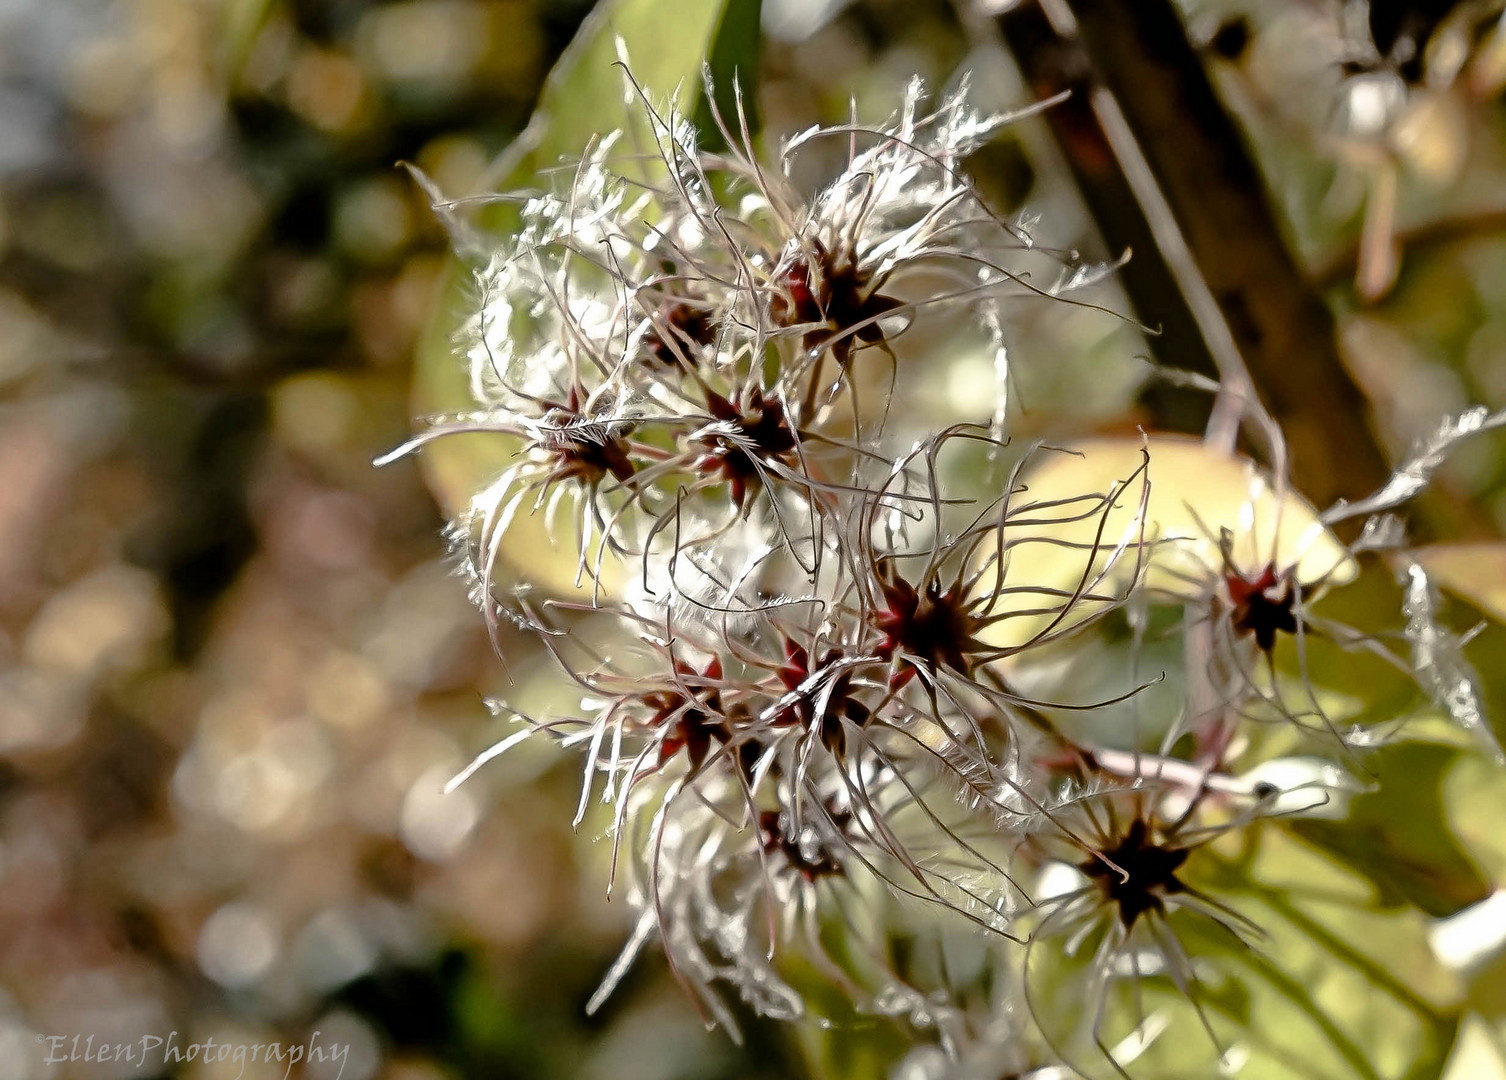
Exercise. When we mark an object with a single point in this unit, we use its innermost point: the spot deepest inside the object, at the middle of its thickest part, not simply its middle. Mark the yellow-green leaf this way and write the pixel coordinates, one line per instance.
(665, 43)
(1476, 572)
(1186, 497)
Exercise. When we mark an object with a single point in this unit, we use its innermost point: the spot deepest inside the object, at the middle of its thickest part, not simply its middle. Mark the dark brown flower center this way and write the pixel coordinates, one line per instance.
(757, 434)
(815, 287)
(679, 330)
(931, 624)
(695, 718)
(583, 449)
(1136, 874)
(836, 697)
(777, 840)
(1263, 605)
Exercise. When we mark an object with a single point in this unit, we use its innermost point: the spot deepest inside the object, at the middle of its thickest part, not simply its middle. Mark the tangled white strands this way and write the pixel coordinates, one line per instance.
(802, 651)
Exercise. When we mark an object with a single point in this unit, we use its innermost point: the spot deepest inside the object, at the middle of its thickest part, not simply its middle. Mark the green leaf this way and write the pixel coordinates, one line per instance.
(1476, 572)
(665, 43)
(1479, 1053)
(240, 23)
(1475, 795)
(733, 61)
(1397, 833)
(1328, 987)
(1191, 492)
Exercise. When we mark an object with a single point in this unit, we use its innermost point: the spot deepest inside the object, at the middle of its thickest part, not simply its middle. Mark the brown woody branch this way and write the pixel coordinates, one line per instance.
(1134, 57)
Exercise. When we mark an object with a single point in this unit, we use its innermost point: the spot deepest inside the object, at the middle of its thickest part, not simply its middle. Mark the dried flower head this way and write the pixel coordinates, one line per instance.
(809, 673)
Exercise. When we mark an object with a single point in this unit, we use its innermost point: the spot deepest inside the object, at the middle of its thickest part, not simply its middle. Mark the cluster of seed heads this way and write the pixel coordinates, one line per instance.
(801, 638)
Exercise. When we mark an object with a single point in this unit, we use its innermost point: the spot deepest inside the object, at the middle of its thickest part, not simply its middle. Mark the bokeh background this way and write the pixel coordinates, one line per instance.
(235, 668)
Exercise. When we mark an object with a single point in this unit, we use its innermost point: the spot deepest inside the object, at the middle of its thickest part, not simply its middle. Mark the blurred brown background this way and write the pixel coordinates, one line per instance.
(234, 666)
